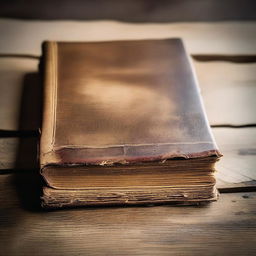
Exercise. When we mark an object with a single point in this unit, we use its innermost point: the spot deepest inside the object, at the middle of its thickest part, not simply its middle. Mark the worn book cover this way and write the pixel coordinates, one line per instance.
(124, 123)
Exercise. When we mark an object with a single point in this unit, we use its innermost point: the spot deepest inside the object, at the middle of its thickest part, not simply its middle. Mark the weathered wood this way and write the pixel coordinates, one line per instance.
(199, 37)
(18, 153)
(237, 168)
(19, 94)
(228, 91)
(225, 227)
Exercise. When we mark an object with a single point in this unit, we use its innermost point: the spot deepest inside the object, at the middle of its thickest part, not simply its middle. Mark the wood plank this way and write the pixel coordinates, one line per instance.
(225, 227)
(228, 91)
(235, 170)
(233, 84)
(19, 94)
(25, 37)
(18, 153)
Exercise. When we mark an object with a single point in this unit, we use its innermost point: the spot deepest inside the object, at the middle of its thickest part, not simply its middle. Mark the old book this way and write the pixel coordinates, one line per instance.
(124, 123)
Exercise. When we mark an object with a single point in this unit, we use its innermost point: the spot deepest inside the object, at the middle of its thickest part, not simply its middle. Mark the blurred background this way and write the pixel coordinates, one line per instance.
(130, 10)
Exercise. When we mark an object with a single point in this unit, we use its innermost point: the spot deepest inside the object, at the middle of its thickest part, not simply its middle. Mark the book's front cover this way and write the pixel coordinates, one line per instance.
(121, 102)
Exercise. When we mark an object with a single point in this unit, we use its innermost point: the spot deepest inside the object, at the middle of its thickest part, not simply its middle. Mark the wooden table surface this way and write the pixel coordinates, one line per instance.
(223, 54)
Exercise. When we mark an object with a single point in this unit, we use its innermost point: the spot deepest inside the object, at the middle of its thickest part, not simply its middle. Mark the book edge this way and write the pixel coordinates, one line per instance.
(49, 106)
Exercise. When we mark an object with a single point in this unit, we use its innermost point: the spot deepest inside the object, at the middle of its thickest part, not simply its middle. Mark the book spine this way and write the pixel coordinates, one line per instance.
(50, 79)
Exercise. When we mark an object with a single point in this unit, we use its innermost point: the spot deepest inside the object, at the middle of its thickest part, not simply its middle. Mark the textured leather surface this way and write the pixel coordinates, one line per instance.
(121, 101)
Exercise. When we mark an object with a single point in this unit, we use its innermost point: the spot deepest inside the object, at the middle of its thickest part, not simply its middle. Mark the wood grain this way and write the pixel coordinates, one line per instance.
(237, 168)
(20, 91)
(225, 227)
(18, 153)
(228, 91)
(200, 37)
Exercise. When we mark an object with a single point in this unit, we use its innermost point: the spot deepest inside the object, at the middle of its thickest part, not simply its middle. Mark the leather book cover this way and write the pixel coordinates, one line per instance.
(121, 102)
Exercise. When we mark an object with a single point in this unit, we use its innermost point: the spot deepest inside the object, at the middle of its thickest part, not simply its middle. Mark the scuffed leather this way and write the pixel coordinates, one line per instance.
(121, 102)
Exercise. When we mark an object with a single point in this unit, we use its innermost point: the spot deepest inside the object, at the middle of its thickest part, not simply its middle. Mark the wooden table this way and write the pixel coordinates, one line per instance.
(224, 57)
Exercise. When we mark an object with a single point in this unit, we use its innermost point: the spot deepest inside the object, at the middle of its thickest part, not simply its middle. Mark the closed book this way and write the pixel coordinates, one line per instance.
(124, 123)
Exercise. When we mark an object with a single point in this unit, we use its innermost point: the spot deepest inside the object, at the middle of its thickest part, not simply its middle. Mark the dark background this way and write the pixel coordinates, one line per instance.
(131, 10)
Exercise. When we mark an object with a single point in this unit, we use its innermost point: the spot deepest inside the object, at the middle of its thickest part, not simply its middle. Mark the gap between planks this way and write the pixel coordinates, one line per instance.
(198, 57)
